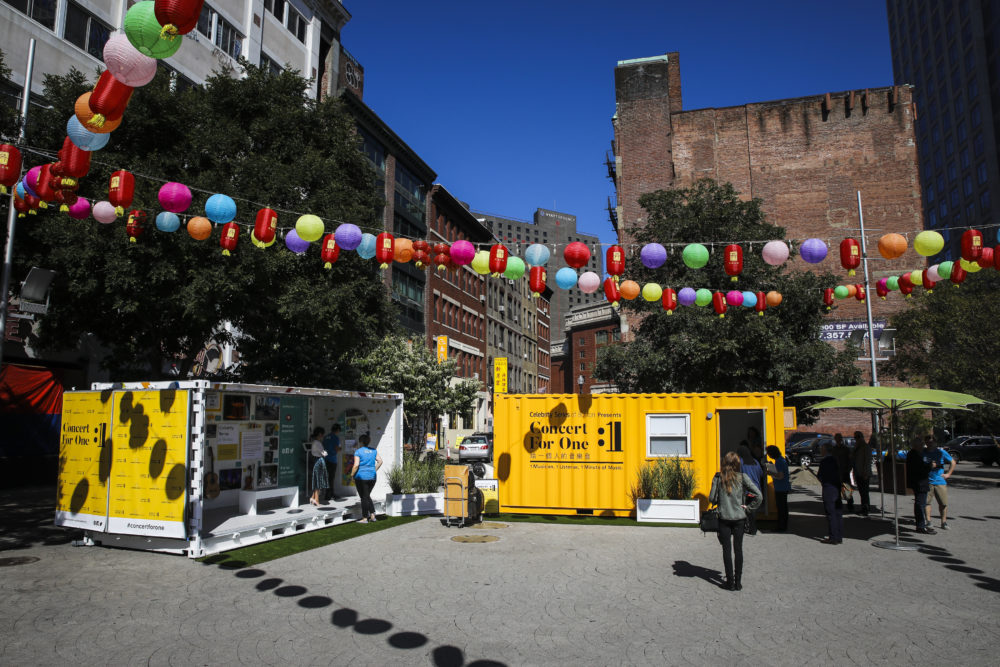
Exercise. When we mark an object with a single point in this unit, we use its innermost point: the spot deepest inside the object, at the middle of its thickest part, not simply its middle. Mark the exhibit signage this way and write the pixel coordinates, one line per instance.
(292, 432)
(85, 460)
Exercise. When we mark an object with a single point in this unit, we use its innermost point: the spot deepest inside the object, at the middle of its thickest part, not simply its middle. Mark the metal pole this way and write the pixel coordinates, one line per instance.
(871, 326)
(8, 262)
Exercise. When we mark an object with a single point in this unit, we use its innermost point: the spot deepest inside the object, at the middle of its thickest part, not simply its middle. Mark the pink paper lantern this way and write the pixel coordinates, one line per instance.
(775, 253)
(80, 209)
(174, 197)
(734, 298)
(589, 282)
(462, 252)
(104, 212)
(126, 64)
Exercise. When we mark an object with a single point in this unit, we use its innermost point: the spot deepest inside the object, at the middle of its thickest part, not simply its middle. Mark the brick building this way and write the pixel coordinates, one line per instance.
(586, 329)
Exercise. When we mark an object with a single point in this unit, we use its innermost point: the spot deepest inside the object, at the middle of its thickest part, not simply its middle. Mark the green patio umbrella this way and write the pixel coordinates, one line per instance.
(892, 399)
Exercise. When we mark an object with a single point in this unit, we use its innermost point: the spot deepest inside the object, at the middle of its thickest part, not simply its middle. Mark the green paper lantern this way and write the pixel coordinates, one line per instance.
(944, 269)
(892, 283)
(652, 292)
(703, 297)
(309, 228)
(917, 277)
(481, 262)
(695, 255)
(515, 268)
(840, 291)
(928, 243)
(144, 32)
(971, 267)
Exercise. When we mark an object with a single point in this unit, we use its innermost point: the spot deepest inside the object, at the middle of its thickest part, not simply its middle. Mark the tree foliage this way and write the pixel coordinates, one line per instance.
(260, 140)
(694, 350)
(946, 342)
(9, 113)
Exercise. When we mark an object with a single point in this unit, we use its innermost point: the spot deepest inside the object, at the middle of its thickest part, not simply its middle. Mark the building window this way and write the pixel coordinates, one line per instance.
(952, 171)
(43, 11)
(372, 148)
(984, 202)
(668, 435)
(85, 31)
(583, 354)
(976, 115)
(270, 66)
(978, 146)
(277, 8)
(406, 286)
(227, 38)
(205, 21)
(930, 194)
(955, 199)
(296, 24)
(963, 134)
(981, 173)
(583, 366)
(963, 158)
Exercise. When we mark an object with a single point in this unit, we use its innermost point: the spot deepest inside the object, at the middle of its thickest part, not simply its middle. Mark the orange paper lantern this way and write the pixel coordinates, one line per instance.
(199, 228)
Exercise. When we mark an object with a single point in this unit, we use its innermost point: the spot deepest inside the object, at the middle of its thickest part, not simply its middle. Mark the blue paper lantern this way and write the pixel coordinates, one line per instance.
(366, 246)
(168, 222)
(653, 255)
(220, 209)
(566, 277)
(749, 299)
(83, 138)
(23, 189)
(536, 254)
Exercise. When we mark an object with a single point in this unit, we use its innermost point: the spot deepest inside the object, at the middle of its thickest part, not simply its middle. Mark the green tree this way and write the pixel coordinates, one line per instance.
(9, 113)
(158, 301)
(945, 340)
(694, 350)
(409, 368)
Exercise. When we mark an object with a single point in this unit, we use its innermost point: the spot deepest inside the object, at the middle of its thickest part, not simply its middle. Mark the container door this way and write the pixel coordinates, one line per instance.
(736, 426)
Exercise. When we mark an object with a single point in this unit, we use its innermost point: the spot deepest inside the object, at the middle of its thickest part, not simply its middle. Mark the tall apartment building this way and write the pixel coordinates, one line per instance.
(950, 53)
(555, 230)
(271, 33)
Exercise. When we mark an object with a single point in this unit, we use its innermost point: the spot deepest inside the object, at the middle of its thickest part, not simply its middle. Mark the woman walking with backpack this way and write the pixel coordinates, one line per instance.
(729, 491)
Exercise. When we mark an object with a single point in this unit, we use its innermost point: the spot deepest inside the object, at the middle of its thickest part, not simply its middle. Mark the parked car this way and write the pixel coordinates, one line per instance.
(799, 436)
(475, 448)
(806, 452)
(982, 448)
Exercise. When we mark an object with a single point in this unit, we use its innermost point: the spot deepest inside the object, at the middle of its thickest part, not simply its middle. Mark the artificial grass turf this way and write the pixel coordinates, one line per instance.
(583, 520)
(293, 544)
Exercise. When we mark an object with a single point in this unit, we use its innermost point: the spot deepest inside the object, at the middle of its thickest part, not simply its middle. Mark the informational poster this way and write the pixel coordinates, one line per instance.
(84, 460)
(252, 443)
(148, 491)
(500, 375)
(293, 430)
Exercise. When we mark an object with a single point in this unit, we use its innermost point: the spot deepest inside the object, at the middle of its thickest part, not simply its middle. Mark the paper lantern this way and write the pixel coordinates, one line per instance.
(926, 281)
(536, 280)
(773, 299)
(515, 267)
(108, 100)
(349, 237)
(972, 245)
(971, 267)
(199, 228)
(576, 254)
(852, 290)
(10, 166)
(174, 197)
(944, 269)
(178, 17)
(264, 228)
(905, 285)
(30, 181)
(669, 300)
(928, 243)
(611, 292)
(761, 303)
(536, 255)
(134, 225)
(932, 272)
(43, 186)
(83, 138)
(498, 259)
(695, 255)
(422, 255)
(32, 203)
(749, 299)
(892, 245)
(143, 31)
(892, 282)
(442, 258)
(126, 63)
(402, 251)
(80, 209)
(986, 258)
(686, 296)
(73, 162)
(840, 291)
(828, 295)
(917, 278)
(882, 288)
(121, 188)
(384, 243)
(629, 289)
(719, 304)
(589, 282)
(614, 262)
(703, 297)
(462, 252)
(220, 209)
(958, 274)
(850, 255)
(813, 251)
(329, 251)
(566, 278)
(481, 262)
(775, 253)
(653, 255)
(229, 238)
(652, 292)
(88, 118)
(365, 247)
(860, 293)
(733, 261)
(295, 243)
(20, 205)
(104, 212)
(167, 221)
(65, 192)
(734, 298)
(996, 258)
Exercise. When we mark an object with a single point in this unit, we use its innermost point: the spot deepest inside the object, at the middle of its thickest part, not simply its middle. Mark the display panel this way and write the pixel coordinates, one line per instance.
(84, 460)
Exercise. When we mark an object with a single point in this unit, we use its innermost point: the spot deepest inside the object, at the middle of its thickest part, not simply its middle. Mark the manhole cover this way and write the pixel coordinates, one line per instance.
(477, 539)
(17, 560)
(490, 525)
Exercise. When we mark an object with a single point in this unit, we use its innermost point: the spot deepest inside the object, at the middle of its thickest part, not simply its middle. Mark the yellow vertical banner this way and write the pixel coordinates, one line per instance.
(149, 473)
(500, 375)
(442, 349)
(84, 460)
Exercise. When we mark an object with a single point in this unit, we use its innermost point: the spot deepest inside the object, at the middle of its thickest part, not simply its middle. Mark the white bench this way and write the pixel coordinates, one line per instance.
(248, 499)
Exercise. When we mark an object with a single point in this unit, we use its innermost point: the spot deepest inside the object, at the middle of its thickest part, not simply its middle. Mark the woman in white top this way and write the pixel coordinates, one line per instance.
(320, 481)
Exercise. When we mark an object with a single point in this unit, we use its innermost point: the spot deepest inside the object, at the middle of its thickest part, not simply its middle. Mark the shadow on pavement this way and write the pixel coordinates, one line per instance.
(682, 568)
(26, 519)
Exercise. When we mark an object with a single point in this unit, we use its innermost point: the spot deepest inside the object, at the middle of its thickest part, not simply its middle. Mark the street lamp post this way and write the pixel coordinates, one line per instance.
(579, 384)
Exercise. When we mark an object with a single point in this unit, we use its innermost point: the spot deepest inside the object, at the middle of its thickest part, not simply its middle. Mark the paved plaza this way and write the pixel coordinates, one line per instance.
(539, 595)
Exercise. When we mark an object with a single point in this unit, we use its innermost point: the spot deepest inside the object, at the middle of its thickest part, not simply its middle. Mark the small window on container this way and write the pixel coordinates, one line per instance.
(668, 435)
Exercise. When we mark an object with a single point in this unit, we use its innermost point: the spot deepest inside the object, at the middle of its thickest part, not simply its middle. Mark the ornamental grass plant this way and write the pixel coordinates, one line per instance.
(413, 475)
(664, 479)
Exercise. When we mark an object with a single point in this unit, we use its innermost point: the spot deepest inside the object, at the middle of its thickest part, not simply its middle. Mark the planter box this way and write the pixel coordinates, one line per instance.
(668, 511)
(413, 504)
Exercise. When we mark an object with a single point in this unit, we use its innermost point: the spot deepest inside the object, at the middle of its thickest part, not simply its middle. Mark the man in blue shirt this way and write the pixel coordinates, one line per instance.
(782, 485)
(937, 478)
(331, 444)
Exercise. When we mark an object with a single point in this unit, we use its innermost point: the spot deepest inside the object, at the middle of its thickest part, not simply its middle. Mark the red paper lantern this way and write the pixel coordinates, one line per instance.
(442, 256)
(230, 235)
(20, 206)
(384, 249)
(860, 294)
(733, 263)
(996, 258)
(972, 245)
(265, 228)
(576, 254)
(421, 253)
(669, 300)
(761, 304)
(850, 255)
(881, 289)
(927, 282)
(498, 260)
(121, 189)
(536, 280)
(65, 192)
(32, 202)
(614, 260)
(134, 225)
(906, 285)
(827, 298)
(109, 99)
(329, 251)
(43, 187)
(719, 303)
(987, 258)
(178, 17)
(611, 292)
(10, 167)
(958, 274)
(75, 162)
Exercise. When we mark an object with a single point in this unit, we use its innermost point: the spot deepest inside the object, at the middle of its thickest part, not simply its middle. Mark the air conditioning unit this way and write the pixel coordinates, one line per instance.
(500, 308)
(510, 282)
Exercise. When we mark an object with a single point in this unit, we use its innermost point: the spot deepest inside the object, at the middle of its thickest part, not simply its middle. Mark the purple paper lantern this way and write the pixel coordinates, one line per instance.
(686, 296)
(296, 243)
(462, 252)
(347, 236)
(174, 197)
(734, 298)
(653, 255)
(813, 251)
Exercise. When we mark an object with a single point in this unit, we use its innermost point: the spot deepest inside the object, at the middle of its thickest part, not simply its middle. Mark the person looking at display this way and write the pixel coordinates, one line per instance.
(366, 465)
(332, 445)
(320, 482)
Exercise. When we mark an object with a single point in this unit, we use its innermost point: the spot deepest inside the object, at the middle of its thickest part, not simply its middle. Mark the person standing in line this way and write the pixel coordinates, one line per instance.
(332, 445)
(782, 485)
(938, 485)
(729, 492)
(320, 480)
(830, 479)
(918, 470)
(843, 456)
(751, 468)
(366, 465)
(861, 461)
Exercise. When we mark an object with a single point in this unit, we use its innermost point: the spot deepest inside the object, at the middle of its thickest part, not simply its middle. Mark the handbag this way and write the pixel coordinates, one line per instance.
(709, 522)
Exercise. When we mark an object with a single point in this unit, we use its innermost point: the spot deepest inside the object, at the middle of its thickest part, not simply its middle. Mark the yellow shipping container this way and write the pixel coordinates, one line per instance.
(580, 454)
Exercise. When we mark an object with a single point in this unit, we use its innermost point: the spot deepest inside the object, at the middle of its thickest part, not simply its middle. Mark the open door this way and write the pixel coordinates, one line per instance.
(735, 426)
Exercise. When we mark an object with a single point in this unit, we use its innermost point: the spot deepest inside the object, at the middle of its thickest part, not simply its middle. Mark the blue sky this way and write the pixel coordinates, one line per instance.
(511, 102)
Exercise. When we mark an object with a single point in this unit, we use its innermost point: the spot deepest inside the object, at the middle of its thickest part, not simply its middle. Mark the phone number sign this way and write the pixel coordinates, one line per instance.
(843, 330)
